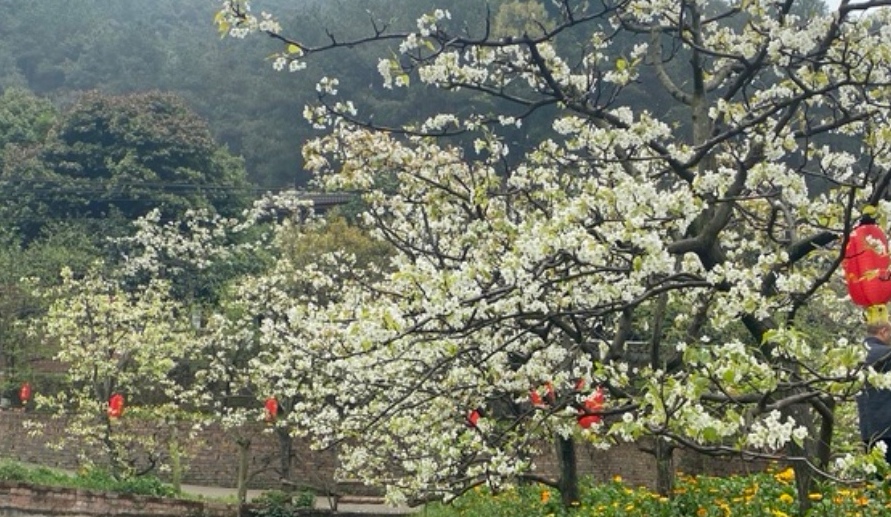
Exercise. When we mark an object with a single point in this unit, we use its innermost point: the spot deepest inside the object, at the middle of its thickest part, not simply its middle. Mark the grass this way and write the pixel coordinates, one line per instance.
(770, 494)
(90, 479)
(273, 503)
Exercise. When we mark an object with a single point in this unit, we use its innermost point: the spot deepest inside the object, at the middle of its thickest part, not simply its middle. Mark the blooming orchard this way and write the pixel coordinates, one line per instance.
(678, 254)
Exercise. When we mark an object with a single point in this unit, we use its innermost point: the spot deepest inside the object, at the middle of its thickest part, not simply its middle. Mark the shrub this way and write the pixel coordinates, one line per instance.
(277, 503)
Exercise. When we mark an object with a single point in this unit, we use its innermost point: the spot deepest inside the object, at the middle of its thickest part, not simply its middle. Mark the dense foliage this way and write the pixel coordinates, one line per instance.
(118, 157)
(128, 46)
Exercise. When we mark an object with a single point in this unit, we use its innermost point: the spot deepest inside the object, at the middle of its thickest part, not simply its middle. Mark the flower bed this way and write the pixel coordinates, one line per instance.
(770, 494)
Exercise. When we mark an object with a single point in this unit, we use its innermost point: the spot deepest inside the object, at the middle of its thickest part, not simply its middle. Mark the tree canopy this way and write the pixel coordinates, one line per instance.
(119, 156)
(708, 245)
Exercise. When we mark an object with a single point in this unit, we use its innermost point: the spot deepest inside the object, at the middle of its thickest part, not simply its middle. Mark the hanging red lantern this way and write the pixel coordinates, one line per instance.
(116, 406)
(25, 393)
(591, 407)
(550, 395)
(473, 417)
(535, 398)
(271, 409)
(866, 265)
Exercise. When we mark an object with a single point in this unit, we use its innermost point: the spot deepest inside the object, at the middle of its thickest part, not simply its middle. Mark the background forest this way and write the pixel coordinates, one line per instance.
(120, 47)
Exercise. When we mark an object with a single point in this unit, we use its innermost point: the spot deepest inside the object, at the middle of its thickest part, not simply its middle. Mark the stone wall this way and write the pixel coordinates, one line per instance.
(215, 458)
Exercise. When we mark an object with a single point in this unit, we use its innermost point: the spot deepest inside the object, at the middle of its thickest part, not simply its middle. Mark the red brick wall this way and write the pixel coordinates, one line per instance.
(215, 458)
(20, 500)
(214, 455)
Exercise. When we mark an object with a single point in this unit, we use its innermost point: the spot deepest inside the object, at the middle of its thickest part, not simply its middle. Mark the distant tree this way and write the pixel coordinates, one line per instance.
(521, 16)
(121, 156)
(25, 119)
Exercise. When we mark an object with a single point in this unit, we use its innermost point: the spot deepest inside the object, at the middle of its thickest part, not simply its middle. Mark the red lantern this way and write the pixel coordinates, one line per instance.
(116, 406)
(537, 401)
(535, 398)
(473, 417)
(866, 264)
(25, 393)
(271, 409)
(592, 404)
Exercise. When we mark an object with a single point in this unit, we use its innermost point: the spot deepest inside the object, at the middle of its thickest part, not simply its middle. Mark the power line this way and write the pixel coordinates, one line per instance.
(131, 190)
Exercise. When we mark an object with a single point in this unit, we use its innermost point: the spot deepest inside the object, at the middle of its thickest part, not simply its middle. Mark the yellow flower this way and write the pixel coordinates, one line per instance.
(617, 478)
(629, 507)
(815, 497)
(779, 513)
(752, 490)
(862, 500)
(786, 498)
(785, 476)
(701, 512)
(545, 496)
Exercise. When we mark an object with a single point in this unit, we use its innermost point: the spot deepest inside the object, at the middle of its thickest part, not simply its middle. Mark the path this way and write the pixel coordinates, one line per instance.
(367, 505)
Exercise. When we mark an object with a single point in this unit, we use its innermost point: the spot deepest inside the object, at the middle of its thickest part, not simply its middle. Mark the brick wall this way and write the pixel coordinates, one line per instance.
(23, 500)
(213, 461)
(215, 458)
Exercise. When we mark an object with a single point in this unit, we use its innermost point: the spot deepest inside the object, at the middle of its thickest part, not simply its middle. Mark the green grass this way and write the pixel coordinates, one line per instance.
(273, 503)
(770, 494)
(90, 479)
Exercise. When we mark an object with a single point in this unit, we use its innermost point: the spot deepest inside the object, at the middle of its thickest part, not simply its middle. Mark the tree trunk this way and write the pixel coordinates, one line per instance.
(115, 463)
(244, 447)
(176, 464)
(664, 453)
(569, 480)
(804, 479)
(285, 447)
(804, 473)
(663, 450)
(826, 410)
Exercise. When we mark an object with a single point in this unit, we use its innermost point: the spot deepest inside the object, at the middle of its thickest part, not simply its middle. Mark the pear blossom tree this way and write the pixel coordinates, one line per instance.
(115, 344)
(199, 254)
(229, 259)
(245, 358)
(131, 328)
(713, 238)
